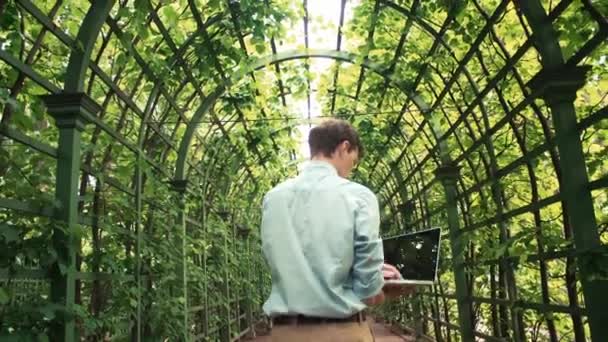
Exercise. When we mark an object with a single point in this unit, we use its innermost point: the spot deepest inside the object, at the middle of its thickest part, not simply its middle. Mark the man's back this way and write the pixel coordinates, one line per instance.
(320, 238)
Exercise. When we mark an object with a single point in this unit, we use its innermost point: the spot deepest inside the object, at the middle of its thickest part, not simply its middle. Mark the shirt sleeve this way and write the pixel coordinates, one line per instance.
(369, 255)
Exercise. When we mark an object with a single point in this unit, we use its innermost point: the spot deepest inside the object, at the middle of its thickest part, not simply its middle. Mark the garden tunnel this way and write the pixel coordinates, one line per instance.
(138, 138)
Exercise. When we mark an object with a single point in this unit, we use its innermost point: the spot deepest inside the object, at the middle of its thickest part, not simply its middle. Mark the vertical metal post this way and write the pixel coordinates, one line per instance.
(249, 309)
(558, 83)
(418, 322)
(138, 194)
(205, 273)
(448, 175)
(226, 332)
(180, 186)
(558, 88)
(71, 112)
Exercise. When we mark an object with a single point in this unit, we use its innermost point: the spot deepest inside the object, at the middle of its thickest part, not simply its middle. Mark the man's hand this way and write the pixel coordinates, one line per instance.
(375, 300)
(390, 272)
(393, 291)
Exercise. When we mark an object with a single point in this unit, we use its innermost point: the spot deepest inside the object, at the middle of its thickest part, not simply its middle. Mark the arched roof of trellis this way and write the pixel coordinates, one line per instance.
(216, 25)
(268, 61)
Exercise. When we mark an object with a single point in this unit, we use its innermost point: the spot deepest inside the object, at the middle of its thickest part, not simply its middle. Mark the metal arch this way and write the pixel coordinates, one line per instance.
(307, 53)
(260, 63)
(85, 41)
(439, 38)
(401, 189)
(396, 177)
(242, 162)
(394, 172)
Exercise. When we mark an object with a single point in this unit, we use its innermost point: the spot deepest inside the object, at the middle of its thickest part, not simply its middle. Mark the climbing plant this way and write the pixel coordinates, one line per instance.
(137, 139)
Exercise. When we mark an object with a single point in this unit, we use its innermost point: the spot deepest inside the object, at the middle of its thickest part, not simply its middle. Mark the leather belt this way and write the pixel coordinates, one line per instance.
(302, 319)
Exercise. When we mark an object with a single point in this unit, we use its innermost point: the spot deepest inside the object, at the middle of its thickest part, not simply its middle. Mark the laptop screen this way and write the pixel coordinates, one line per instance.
(415, 255)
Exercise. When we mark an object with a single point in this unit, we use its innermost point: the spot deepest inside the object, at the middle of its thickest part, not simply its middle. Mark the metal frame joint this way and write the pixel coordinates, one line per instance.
(179, 185)
(448, 172)
(559, 85)
(71, 110)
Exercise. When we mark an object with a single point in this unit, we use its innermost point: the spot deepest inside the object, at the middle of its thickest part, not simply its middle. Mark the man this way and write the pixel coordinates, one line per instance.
(320, 237)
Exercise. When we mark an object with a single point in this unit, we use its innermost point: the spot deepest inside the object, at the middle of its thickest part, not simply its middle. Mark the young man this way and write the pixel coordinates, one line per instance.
(320, 237)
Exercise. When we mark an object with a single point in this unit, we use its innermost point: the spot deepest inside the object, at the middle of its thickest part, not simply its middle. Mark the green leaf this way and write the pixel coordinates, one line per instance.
(4, 296)
(123, 12)
(11, 102)
(62, 268)
(142, 5)
(260, 48)
(9, 18)
(48, 311)
(171, 15)
(37, 109)
(142, 31)
(10, 233)
(523, 258)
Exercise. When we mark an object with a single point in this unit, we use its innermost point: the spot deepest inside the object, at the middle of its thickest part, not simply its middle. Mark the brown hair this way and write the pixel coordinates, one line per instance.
(325, 138)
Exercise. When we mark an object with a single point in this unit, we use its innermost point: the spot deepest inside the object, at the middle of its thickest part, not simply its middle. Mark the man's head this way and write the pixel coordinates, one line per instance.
(336, 142)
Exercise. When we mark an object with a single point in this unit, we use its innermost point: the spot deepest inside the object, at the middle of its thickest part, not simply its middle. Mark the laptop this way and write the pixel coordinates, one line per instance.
(415, 255)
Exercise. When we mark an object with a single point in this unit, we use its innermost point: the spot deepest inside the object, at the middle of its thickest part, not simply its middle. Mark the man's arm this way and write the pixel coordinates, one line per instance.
(369, 256)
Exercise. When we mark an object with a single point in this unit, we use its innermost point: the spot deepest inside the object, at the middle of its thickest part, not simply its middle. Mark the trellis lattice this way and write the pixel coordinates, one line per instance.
(138, 137)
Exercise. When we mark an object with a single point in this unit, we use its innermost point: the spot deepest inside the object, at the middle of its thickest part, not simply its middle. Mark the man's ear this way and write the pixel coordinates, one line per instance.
(345, 145)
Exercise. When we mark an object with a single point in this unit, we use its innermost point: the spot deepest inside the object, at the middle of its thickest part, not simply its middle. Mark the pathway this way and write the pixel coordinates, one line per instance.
(382, 333)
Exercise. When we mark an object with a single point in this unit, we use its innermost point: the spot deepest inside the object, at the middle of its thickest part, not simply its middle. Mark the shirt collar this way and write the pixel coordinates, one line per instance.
(319, 165)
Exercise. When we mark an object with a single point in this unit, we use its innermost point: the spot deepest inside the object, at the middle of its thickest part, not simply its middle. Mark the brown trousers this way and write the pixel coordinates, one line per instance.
(333, 332)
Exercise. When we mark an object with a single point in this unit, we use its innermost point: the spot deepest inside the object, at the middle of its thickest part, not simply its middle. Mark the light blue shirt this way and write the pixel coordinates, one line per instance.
(320, 237)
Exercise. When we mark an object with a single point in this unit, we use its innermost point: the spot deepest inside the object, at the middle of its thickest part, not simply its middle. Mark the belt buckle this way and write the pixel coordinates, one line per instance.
(285, 320)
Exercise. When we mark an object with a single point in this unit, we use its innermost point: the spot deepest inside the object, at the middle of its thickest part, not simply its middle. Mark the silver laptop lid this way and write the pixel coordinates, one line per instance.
(415, 255)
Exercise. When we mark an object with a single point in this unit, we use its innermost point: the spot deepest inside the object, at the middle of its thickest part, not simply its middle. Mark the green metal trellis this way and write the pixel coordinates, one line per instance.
(159, 196)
